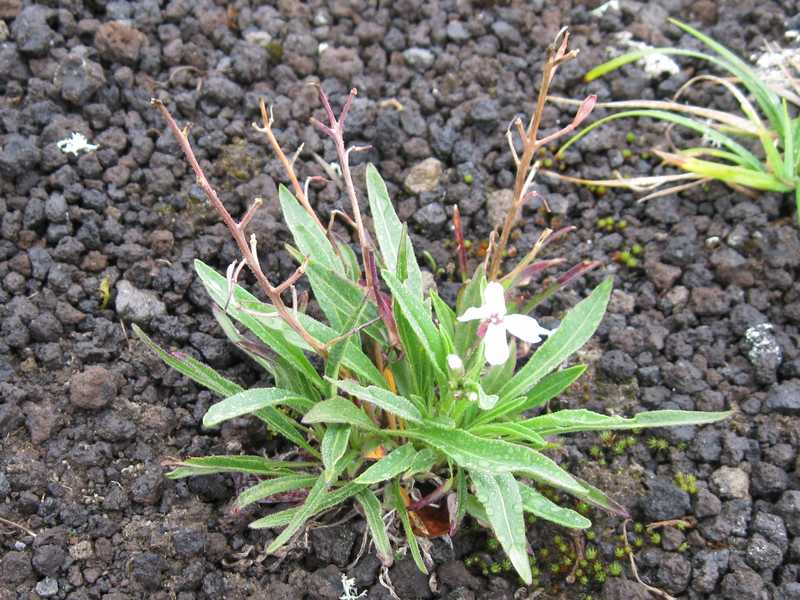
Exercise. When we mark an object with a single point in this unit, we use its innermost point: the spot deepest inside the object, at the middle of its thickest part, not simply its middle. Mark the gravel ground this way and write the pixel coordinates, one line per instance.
(90, 243)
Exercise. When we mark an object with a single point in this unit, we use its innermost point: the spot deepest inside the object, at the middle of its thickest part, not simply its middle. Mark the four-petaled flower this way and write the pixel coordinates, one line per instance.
(495, 323)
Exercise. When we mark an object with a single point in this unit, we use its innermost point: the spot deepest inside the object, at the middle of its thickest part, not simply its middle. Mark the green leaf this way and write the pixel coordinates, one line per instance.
(501, 499)
(256, 465)
(334, 445)
(329, 500)
(573, 420)
(217, 287)
(261, 319)
(372, 512)
(510, 431)
(306, 511)
(389, 229)
(193, 369)
(285, 426)
(337, 351)
(270, 487)
(493, 456)
(422, 462)
(339, 410)
(381, 398)
(245, 403)
(575, 330)
(350, 260)
(548, 388)
(536, 503)
(445, 316)
(389, 466)
(402, 512)
(419, 319)
(462, 491)
(308, 236)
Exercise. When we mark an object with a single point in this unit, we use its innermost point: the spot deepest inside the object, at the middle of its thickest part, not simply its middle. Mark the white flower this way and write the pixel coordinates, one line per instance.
(495, 322)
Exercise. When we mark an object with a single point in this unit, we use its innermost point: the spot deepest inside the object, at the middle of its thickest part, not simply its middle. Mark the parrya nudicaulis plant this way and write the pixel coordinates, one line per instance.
(729, 154)
(417, 411)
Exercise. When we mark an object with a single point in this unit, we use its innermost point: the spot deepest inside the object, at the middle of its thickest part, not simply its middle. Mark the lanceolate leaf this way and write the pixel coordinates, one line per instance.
(329, 500)
(334, 445)
(548, 388)
(389, 466)
(217, 287)
(308, 236)
(193, 369)
(388, 230)
(286, 426)
(245, 403)
(270, 487)
(381, 398)
(339, 410)
(306, 511)
(419, 318)
(570, 421)
(577, 327)
(536, 503)
(501, 499)
(262, 320)
(422, 462)
(372, 512)
(493, 456)
(255, 465)
(511, 431)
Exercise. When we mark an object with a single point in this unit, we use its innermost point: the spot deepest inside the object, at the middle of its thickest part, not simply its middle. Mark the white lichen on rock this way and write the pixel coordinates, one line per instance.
(75, 144)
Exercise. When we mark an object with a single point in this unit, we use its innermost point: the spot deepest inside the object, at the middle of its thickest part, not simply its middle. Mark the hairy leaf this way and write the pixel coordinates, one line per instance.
(502, 502)
(270, 487)
(244, 403)
(536, 503)
(381, 398)
(389, 466)
(570, 421)
(372, 512)
(339, 410)
(334, 446)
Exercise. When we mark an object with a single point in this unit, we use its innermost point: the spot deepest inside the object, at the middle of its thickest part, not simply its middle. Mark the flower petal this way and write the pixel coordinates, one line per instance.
(525, 328)
(474, 313)
(495, 345)
(494, 299)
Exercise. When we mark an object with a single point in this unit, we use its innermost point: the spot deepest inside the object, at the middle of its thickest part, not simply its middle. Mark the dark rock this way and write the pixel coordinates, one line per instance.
(147, 488)
(762, 554)
(334, 544)
(706, 504)
(431, 217)
(617, 365)
(19, 155)
(189, 542)
(341, 63)
(617, 588)
(15, 567)
(48, 559)
(680, 251)
(78, 78)
(665, 501)
(768, 480)
(708, 567)
(119, 42)
(788, 507)
(457, 32)
(674, 572)
(785, 398)
(454, 574)
(772, 527)
(325, 583)
(742, 584)
(137, 305)
(708, 301)
(409, 581)
(146, 569)
(93, 388)
(32, 32)
(222, 92)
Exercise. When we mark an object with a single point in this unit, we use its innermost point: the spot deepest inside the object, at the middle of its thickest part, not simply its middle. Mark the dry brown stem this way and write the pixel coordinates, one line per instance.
(557, 54)
(248, 249)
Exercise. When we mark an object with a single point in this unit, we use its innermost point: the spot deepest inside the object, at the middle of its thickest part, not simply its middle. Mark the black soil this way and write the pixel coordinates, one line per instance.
(89, 244)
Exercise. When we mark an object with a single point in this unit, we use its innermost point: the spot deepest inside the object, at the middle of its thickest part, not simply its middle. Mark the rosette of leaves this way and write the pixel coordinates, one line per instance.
(399, 412)
(341, 417)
